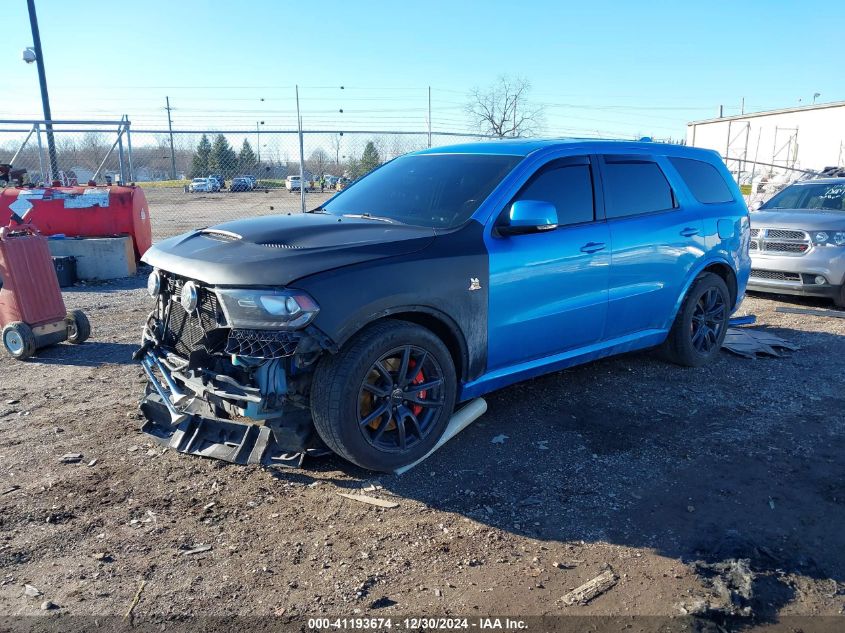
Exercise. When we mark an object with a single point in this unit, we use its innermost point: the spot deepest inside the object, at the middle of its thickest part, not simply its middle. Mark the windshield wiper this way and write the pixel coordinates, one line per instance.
(367, 216)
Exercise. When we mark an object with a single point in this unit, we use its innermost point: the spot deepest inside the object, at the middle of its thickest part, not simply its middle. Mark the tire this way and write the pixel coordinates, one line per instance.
(78, 327)
(352, 386)
(688, 344)
(839, 299)
(19, 340)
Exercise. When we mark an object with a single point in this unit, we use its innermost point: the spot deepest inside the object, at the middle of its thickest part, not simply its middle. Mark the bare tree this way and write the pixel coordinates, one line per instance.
(503, 109)
(318, 162)
(336, 141)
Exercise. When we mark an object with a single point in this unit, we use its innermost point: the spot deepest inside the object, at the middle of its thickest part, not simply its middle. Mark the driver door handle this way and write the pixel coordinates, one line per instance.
(689, 231)
(592, 247)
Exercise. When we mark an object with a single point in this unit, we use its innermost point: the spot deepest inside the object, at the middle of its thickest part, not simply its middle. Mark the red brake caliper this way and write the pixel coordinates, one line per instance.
(418, 380)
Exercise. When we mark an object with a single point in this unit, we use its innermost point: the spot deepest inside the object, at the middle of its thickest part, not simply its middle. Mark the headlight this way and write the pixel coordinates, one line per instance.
(262, 309)
(828, 238)
(154, 284)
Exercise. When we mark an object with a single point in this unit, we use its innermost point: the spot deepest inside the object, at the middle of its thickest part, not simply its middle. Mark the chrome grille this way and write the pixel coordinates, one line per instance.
(774, 275)
(787, 242)
(785, 234)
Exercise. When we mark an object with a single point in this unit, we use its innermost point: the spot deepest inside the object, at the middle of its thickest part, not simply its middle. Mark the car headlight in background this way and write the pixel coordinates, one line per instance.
(828, 238)
(267, 309)
(154, 284)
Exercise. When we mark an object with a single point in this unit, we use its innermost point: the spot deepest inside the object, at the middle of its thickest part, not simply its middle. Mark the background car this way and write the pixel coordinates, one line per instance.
(253, 181)
(798, 241)
(202, 185)
(221, 183)
(240, 184)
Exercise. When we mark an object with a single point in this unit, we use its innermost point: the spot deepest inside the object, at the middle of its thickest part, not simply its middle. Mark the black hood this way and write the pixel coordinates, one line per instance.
(278, 249)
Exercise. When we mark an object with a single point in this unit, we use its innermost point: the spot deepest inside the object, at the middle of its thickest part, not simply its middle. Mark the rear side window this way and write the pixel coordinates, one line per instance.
(568, 187)
(633, 186)
(703, 180)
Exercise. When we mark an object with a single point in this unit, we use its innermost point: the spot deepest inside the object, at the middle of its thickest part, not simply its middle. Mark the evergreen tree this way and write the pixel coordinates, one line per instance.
(247, 159)
(223, 159)
(200, 160)
(370, 158)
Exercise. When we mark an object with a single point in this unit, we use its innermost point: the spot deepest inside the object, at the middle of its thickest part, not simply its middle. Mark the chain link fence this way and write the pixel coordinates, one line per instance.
(200, 178)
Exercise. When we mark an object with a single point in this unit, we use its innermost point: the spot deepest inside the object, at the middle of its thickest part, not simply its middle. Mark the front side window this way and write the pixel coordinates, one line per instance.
(829, 196)
(633, 186)
(703, 180)
(432, 190)
(568, 187)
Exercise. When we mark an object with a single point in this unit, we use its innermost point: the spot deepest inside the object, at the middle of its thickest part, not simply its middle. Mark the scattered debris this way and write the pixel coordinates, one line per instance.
(12, 401)
(199, 549)
(11, 489)
(70, 458)
(30, 591)
(499, 439)
(733, 582)
(591, 589)
(101, 556)
(748, 319)
(92, 463)
(837, 314)
(751, 343)
(47, 605)
(381, 503)
(135, 600)
(543, 445)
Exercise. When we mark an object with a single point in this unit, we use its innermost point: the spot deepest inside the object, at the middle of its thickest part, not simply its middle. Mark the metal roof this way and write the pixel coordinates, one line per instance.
(751, 115)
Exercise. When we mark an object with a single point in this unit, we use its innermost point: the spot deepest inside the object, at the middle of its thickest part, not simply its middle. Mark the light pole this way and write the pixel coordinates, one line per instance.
(42, 80)
(258, 139)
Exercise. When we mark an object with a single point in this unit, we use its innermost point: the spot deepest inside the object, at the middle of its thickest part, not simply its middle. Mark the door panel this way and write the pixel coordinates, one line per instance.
(652, 253)
(548, 290)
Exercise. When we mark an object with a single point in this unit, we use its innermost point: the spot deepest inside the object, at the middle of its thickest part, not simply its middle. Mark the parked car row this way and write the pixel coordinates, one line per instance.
(216, 182)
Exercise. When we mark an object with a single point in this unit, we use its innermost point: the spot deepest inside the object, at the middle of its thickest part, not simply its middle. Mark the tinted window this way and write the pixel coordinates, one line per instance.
(704, 180)
(632, 187)
(569, 188)
(436, 190)
(824, 195)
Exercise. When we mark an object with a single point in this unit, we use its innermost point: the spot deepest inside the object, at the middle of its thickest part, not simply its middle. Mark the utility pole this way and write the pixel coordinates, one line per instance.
(301, 155)
(42, 80)
(172, 152)
(429, 116)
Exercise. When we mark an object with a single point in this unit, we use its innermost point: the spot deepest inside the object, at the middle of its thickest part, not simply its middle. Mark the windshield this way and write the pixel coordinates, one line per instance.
(199, 179)
(432, 190)
(829, 196)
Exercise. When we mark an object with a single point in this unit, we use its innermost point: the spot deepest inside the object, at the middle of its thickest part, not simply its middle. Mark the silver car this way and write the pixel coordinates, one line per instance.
(798, 241)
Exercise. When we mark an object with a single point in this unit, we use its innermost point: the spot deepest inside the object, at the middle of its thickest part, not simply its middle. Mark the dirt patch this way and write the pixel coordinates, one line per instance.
(715, 491)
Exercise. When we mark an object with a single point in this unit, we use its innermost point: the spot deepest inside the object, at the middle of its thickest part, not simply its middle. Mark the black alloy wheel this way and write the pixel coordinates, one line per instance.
(399, 399)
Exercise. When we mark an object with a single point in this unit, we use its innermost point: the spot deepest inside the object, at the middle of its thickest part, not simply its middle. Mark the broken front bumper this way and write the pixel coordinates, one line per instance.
(179, 412)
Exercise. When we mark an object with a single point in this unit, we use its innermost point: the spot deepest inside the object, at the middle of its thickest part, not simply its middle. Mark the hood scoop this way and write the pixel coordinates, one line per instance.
(223, 236)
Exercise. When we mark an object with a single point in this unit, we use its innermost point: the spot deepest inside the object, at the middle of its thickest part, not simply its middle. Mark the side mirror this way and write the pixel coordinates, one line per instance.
(530, 216)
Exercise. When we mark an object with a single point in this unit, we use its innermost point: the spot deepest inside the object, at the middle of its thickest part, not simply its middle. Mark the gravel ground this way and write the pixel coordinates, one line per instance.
(717, 491)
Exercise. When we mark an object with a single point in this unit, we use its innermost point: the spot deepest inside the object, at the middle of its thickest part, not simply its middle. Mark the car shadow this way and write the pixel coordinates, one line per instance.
(739, 465)
(90, 354)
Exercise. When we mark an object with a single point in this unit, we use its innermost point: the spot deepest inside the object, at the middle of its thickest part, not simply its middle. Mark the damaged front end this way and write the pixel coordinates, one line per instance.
(229, 371)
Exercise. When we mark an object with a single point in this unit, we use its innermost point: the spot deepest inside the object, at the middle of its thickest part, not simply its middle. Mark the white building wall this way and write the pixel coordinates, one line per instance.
(818, 143)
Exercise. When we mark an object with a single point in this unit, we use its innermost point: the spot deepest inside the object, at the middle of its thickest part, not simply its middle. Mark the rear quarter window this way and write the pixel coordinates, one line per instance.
(703, 180)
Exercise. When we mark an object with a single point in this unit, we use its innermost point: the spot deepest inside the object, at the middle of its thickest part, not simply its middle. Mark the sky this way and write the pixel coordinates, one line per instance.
(606, 68)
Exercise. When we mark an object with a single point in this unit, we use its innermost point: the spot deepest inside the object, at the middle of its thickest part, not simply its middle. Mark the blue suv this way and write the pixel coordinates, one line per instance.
(440, 276)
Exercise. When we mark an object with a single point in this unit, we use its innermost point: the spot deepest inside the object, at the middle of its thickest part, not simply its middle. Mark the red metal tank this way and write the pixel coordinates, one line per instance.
(30, 290)
(89, 211)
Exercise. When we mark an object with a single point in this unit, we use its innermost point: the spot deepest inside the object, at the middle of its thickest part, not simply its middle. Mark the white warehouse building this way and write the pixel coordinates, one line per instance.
(808, 138)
